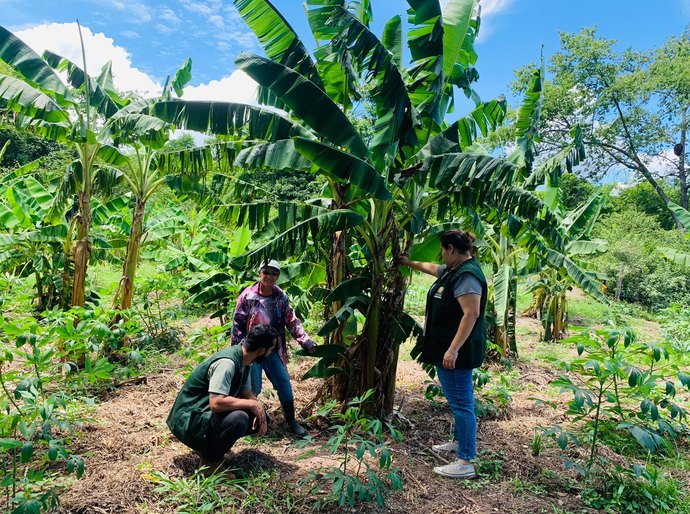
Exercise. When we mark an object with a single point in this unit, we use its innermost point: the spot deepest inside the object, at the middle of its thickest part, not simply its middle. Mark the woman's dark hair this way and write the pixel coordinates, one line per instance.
(260, 336)
(462, 240)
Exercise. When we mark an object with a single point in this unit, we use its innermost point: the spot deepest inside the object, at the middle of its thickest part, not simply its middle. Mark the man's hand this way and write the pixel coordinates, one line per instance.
(259, 423)
(403, 260)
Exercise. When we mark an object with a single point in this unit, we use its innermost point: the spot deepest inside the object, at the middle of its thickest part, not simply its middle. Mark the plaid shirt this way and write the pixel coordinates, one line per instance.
(254, 309)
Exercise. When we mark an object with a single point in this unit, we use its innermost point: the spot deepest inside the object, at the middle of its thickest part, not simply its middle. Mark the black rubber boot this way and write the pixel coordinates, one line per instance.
(289, 411)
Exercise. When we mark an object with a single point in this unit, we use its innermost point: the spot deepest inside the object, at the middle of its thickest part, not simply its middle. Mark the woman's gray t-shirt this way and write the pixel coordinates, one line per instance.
(468, 283)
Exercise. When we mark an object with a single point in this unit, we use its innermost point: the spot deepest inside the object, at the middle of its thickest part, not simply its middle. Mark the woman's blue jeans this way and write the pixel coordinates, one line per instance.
(277, 373)
(457, 386)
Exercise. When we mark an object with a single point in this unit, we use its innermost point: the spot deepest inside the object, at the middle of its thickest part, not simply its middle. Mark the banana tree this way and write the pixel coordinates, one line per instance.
(385, 178)
(140, 137)
(551, 284)
(43, 104)
(33, 245)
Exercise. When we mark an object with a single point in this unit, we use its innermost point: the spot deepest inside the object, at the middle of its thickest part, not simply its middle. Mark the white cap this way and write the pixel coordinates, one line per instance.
(270, 264)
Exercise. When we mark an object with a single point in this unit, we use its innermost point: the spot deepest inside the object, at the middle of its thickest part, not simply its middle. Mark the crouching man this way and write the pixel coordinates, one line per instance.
(216, 406)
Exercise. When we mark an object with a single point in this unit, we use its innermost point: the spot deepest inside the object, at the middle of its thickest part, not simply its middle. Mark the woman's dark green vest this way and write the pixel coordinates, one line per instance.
(191, 414)
(443, 315)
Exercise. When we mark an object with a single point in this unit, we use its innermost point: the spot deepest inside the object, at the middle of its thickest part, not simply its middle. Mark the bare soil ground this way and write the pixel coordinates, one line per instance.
(129, 441)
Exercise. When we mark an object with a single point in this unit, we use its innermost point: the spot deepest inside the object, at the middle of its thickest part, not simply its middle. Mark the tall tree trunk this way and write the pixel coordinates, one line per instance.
(619, 282)
(682, 176)
(123, 296)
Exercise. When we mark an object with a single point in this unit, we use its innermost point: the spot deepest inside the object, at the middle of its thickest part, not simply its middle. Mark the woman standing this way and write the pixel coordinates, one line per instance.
(264, 303)
(454, 339)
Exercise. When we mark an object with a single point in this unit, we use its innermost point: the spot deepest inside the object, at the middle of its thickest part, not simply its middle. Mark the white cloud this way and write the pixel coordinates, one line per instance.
(216, 20)
(63, 39)
(490, 7)
(168, 15)
(130, 34)
(238, 87)
(199, 7)
(137, 11)
(662, 165)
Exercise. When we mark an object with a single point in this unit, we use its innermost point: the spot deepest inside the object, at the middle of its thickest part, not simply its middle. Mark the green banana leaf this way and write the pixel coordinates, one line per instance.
(305, 100)
(226, 118)
(21, 57)
(279, 41)
(21, 97)
(674, 255)
(105, 102)
(344, 167)
(295, 238)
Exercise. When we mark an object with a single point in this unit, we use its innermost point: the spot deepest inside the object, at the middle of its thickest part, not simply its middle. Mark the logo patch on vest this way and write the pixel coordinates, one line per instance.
(439, 292)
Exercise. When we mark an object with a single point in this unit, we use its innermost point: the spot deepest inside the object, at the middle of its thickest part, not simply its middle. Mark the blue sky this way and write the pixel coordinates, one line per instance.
(153, 37)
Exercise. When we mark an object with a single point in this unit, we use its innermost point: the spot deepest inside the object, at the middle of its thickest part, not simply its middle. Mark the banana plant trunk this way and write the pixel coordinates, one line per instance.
(123, 298)
(335, 274)
(82, 250)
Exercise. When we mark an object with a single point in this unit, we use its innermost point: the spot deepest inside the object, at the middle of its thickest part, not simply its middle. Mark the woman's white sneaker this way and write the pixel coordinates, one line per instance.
(451, 446)
(456, 469)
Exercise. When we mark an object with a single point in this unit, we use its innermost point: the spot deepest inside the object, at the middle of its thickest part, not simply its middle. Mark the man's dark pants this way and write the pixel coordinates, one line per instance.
(224, 431)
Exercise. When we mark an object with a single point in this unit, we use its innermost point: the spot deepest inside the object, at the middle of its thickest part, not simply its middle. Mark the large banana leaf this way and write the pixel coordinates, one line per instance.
(682, 215)
(527, 125)
(392, 39)
(305, 100)
(580, 278)
(149, 130)
(580, 221)
(20, 56)
(182, 77)
(674, 255)
(481, 120)
(460, 26)
(501, 284)
(279, 41)
(566, 159)
(353, 40)
(296, 238)
(349, 288)
(352, 303)
(586, 247)
(100, 99)
(344, 166)
(425, 40)
(281, 155)
(23, 98)
(225, 118)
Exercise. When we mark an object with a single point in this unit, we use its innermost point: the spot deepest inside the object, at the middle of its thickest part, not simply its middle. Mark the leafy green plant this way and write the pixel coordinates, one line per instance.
(490, 464)
(622, 385)
(675, 326)
(360, 444)
(156, 312)
(197, 494)
(635, 490)
(35, 425)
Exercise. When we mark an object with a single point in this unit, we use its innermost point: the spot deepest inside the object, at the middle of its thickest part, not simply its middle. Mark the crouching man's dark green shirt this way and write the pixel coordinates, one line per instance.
(191, 413)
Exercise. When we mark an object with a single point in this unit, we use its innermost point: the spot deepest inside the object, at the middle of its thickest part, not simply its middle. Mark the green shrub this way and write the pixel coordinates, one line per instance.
(624, 387)
(633, 260)
(635, 490)
(360, 444)
(675, 325)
